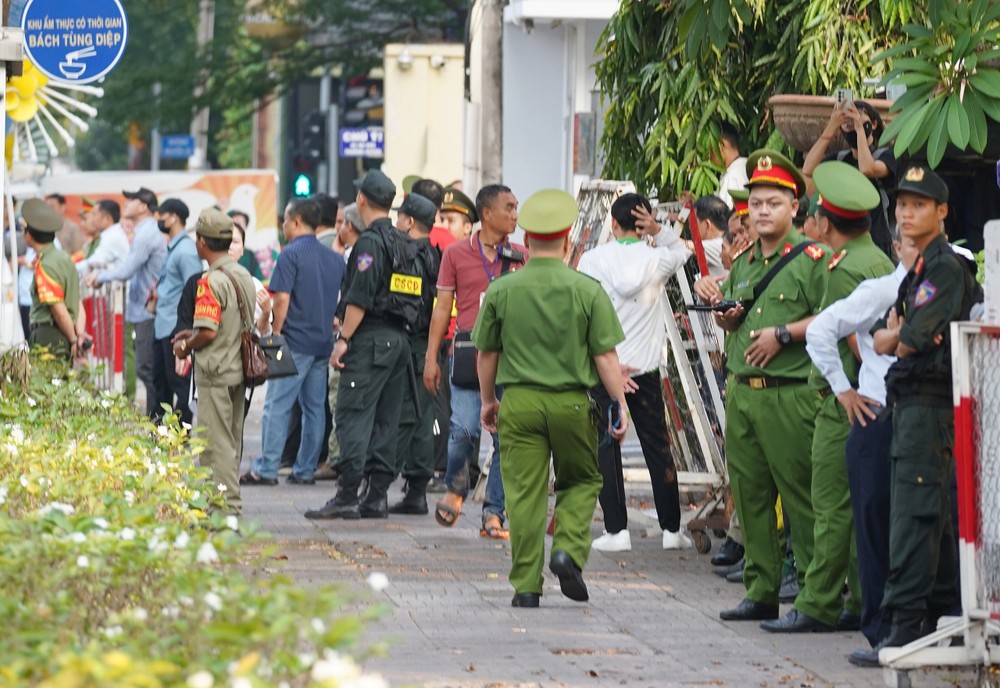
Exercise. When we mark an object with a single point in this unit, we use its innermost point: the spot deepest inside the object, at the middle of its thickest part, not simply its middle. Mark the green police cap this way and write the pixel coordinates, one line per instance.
(771, 168)
(420, 209)
(920, 180)
(844, 191)
(741, 198)
(408, 182)
(40, 217)
(548, 214)
(377, 187)
(214, 224)
(457, 202)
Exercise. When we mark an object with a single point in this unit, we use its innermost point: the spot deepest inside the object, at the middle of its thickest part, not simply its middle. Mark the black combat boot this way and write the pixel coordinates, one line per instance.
(375, 503)
(414, 502)
(344, 505)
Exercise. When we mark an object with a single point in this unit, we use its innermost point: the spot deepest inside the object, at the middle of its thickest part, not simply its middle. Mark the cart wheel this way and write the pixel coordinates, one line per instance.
(702, 542)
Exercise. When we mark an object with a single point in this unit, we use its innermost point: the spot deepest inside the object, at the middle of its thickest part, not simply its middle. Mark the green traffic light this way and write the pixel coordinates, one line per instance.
(303, 185)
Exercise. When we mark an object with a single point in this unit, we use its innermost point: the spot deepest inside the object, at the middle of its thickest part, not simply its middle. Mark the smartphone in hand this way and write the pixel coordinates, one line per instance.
(845, 98)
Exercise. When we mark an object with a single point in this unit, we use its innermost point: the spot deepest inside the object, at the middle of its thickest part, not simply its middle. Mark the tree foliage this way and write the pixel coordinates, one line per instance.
(949, 66)
(671, 71)
(238, 71)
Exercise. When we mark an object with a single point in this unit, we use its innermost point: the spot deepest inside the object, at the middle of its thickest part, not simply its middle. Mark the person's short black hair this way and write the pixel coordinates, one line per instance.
(328, 206)
(215, 244)
(110, 208)
(621, 209)
(878, 126)
(488, 194)
(307, 210)
(40, 237)
(845, 226)
(431, 190)
(713, 209)
(729, 133)
(58, 197)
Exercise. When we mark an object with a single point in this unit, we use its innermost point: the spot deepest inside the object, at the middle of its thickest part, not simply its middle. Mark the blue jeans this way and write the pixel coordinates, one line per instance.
(463, 446)
(309, 387)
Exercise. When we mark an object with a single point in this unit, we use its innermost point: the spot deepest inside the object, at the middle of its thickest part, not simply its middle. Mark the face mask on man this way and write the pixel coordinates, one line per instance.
(163, 226)
(852, 136)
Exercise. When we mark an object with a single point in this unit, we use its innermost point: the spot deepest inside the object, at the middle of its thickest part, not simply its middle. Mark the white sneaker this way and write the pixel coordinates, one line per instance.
(676, 540)
(613, 542)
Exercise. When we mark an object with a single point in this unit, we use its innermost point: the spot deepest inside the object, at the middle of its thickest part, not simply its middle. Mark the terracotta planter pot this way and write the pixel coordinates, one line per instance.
(801, 119)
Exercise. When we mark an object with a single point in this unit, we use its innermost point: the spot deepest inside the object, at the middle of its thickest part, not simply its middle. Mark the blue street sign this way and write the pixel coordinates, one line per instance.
(176, 146)
(362, 142)
(73, 41)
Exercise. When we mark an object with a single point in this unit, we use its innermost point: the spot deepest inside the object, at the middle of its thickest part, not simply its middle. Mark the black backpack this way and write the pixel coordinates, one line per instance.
(412, 280)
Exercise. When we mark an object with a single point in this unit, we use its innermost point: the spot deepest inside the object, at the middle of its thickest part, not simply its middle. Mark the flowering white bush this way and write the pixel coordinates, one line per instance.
(118, 567)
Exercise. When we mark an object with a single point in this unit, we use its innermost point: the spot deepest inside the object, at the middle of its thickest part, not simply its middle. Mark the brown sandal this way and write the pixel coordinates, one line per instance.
(446, 515)
(493, 529)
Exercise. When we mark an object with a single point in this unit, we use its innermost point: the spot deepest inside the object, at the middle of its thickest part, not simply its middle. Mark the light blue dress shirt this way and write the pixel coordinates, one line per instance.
(855, 314)
(141, 267)
(181, 264)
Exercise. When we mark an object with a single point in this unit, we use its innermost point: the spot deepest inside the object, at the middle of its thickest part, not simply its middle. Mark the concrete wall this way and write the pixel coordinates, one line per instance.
(424, 131)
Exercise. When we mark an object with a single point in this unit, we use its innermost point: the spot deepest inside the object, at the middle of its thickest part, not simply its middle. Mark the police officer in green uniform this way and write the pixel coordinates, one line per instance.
(770, 409)
(218, 367)
(547, 334)
(940, 289)
(55, 289)
(415, 448)
(843, 220)
(372, 353)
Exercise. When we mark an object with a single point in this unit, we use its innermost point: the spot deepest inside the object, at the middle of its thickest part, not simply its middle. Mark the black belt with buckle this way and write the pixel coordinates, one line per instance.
(768, 382)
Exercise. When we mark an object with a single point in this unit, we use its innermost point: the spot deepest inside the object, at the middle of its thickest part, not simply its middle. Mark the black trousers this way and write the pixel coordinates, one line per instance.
(869, 475)
(648, 416)
(167, 384)
(294, 437)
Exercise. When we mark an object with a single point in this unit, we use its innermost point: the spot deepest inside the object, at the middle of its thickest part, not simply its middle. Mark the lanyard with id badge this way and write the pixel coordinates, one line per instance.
(464, 355)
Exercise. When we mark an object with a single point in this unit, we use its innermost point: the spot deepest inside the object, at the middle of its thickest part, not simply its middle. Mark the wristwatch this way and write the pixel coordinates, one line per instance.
(783, 335)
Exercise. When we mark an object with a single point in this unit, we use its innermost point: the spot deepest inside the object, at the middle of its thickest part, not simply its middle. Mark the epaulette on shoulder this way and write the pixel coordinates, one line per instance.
(743, 250)
(815, 252)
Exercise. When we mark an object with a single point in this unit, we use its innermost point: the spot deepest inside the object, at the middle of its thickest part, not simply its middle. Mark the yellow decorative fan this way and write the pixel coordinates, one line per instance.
(36, 103)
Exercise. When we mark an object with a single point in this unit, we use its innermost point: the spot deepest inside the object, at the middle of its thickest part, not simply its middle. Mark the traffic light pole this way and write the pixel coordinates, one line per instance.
(323, 169)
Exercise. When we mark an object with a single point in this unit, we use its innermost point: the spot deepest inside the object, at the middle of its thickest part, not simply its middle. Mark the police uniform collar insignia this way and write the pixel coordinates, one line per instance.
(764, 163)
(925, 293)
(814, 251)
(835, 261)
(786, 248)
(919, 267)
(915, 174)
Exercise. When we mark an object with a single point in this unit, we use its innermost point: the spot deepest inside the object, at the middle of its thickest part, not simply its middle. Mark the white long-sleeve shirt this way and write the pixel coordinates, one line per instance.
(112, 249)
(735, 177)
(634, 275)
(855, 314)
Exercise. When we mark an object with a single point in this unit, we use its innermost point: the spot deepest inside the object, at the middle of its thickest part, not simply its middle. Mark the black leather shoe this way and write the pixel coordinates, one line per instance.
(849, 621)
(332, 510)
(570, 577)
(730, 553)
(865, 658)
(296, 480)
(748, 610)
(724, 571)
(414, 502)
(409, 509)
(735, 576)
(796, 622)
(789, 588)
(525, 599)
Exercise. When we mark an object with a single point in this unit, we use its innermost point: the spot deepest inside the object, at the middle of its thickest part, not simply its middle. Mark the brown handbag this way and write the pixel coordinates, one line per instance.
(254, 360)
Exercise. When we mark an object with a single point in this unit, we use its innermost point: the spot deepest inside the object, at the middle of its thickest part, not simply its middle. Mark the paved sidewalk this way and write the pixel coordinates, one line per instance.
(652, 619)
